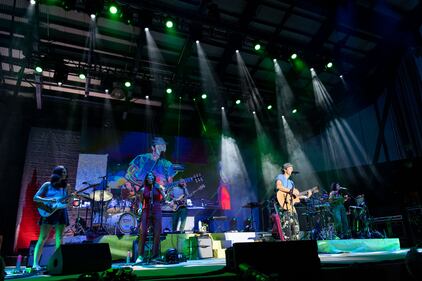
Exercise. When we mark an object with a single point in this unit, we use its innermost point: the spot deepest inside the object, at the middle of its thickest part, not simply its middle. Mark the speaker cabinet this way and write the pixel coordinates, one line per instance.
(80, 258)
(47, 252)
(287, 259)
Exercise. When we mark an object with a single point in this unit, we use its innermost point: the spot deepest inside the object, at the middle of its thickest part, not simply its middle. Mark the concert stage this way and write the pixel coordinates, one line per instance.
(349, 258)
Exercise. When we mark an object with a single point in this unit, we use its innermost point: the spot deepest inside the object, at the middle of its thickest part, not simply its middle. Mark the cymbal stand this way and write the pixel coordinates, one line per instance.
(103, 186)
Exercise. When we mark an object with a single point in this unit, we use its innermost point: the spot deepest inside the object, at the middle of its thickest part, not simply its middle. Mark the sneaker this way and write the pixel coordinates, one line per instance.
(139, 260)
(36, 268)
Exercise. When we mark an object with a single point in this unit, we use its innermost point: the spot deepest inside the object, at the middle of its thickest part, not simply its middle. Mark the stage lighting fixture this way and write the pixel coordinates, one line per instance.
(269, 107)
(237, 101)
(253, 112)
(204, 96)
(32, 2)
(197, 41)
(38, 69)
(294, 111)
(147, 97)
(82, 76)
(222, 108)
(274, 60)
(329, 65)
(172, 256)
(169, 90)
(293, 56)
(257, 47)
(237, 51)
(341, 76)
(113, 9)
(169, 24)
(128, 84)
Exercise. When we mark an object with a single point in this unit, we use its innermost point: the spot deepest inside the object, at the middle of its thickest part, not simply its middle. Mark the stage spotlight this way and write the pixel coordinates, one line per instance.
(169, 90)
(113, 9)
(197, 41)
(294, 111)
(38, 69)
(204, 96)
(341, 76)
(169, 24)
(237, 101)
(172, 256)
(257, 47)
(274, 60)
(128, 84)
(222, 108)
(146, 29)
(253, 112)
(293, 56)
(269, 107)
(82, 76)
(147, 97)
(32, 2)
(329, 65)
(237, 51)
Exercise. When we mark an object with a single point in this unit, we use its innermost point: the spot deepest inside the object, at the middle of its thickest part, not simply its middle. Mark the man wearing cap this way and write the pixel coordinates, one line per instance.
(286, 187)
(152, 162)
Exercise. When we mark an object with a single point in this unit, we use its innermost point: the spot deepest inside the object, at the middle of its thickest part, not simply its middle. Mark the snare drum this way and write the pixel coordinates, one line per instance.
(117, 206)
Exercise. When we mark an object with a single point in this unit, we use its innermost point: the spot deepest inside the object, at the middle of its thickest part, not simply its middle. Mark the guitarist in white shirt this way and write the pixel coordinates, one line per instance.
(50, 192)
(181, 212)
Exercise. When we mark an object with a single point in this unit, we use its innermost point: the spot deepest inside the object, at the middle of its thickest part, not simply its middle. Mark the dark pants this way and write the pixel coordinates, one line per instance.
(181, 214)
(340, 221)
(155, 221)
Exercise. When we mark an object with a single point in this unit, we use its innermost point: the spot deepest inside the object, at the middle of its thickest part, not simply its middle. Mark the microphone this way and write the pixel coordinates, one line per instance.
(295, 172)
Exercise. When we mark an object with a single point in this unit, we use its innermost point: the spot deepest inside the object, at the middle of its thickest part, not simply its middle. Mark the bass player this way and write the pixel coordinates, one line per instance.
(181, 212)
(51, 192)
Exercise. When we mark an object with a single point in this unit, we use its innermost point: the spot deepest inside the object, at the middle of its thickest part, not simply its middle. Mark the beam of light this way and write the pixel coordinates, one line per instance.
(248, 87)
(233, 171)
(155, 60)
(340, 145)
(298, 158)
(284, 97)
(269, 159)
(209, 81)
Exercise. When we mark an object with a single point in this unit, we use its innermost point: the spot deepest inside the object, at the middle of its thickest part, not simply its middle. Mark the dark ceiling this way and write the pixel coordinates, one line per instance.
(364, 40)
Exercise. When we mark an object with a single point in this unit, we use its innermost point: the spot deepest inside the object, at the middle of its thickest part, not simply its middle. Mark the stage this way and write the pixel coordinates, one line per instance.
(368, 259)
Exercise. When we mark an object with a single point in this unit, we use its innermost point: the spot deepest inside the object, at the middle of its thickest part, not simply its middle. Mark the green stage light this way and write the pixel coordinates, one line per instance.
(169, 24)
(204, 96)
(329, 65)
(128, 84)
(293, 56)
(269, 107)
(38, 69)
(169, 90)
(237, 101)
(257, 47)
(294, 110)
(113, 9)
(82, 76)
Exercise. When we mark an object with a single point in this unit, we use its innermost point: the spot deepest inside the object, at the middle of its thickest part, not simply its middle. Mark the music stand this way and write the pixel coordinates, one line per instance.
(252, 205)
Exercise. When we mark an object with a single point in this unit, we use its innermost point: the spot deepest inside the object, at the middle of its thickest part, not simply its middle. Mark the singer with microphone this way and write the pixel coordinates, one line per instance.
(338, 196)
(287, 195)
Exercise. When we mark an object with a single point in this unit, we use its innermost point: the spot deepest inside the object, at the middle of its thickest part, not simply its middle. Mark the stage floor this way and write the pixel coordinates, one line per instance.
(214, 268)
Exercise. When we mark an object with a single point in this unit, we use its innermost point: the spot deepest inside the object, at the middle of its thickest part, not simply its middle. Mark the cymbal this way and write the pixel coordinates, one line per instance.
(97, 195)
(252, 205)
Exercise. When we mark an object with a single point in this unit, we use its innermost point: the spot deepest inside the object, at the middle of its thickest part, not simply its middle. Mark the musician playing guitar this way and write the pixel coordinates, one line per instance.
(180, 206)
(51, 192)
(287, 195)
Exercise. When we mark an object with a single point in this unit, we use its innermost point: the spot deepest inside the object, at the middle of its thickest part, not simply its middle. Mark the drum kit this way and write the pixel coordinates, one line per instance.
(320, 217)
(112, 211)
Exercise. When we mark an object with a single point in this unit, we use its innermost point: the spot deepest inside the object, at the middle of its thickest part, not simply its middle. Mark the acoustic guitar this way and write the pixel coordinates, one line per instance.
(288, 199)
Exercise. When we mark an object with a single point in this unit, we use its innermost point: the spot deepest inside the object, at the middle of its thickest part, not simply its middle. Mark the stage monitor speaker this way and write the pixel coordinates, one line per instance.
(285, 258)
(80, 258)
(47, 252)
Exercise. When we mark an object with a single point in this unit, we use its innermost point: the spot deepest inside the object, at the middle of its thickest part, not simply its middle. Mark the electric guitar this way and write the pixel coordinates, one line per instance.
(288, 199)
(181, 200)
(46, 209)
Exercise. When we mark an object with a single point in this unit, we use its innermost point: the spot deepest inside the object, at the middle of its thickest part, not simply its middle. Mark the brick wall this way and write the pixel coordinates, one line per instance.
(46, 149)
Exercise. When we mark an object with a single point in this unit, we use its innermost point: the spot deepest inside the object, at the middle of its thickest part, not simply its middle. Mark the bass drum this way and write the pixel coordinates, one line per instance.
(123, 223)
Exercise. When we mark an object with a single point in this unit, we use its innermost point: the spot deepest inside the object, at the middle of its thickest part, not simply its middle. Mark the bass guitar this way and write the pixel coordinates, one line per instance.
(46, 209)
(176, 203)
(288, 199)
